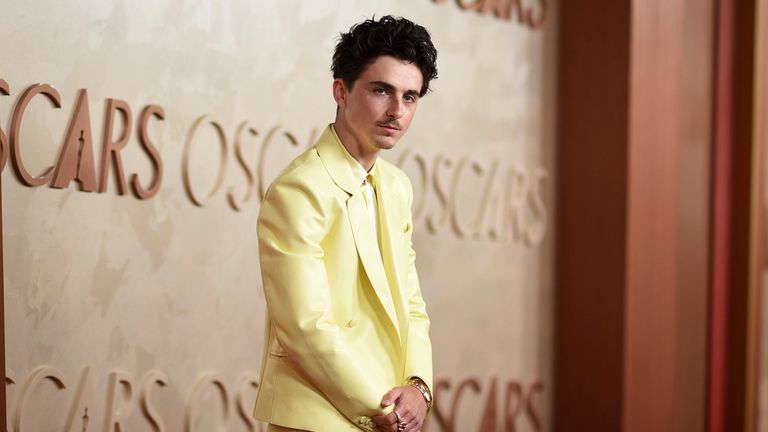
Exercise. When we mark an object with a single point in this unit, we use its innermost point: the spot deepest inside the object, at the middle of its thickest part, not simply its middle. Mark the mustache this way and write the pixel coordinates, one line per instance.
(392, 123)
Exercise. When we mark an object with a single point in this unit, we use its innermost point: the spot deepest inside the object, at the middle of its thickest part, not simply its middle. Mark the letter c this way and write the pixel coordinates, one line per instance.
(18, 114)
(34, 379)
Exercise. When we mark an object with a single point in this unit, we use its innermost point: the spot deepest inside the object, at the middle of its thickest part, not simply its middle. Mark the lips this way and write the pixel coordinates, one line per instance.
(390, 126)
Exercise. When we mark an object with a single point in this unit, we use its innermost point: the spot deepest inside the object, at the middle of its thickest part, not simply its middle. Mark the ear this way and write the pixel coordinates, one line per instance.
(339, 92)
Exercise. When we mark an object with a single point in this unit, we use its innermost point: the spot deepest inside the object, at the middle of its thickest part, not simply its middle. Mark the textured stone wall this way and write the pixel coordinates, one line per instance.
(133, 291)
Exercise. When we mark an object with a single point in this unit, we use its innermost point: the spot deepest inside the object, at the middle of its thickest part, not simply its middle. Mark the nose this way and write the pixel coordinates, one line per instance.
(395, 108)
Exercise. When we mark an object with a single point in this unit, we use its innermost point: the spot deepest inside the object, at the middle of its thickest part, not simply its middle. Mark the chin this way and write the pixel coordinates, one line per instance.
(386, 143)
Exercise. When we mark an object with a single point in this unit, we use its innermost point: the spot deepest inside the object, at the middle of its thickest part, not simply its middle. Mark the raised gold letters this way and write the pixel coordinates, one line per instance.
(436, 222)
(448, 423)
(488, 419)
(196, 199)
(5, 90)
(35, 378)
(488, 212)
(516, 403)
(418, 206)
(152, 378)
(533, 17)
(140, 192)
(110, 150)
(514, 202)
(510, 198)
(77, 418)
(512, 405)
(75, 160)
(538, 21)
(521, 402)
(475, 5)
(248, 381)
(76, 157)
(18, 114)
(534, 413)
(218, 381)
(536, 230)
(115, 414)
(457, 224)
(244, 166)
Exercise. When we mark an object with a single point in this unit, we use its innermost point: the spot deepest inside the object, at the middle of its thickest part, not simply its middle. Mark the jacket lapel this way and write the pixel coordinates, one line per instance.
(390, 244)
(341, 167)
(368, 250)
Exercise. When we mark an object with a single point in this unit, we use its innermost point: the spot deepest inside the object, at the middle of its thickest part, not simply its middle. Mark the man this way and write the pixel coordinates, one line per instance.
(346, 343)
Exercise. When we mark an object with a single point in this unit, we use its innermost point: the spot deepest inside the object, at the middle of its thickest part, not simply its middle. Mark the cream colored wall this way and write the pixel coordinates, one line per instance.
(103, 289)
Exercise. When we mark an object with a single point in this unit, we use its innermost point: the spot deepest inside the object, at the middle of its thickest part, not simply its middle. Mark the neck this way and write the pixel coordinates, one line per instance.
(361, 153)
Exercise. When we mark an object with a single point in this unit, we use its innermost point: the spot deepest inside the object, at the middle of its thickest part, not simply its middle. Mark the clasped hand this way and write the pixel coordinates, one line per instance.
(409, 405)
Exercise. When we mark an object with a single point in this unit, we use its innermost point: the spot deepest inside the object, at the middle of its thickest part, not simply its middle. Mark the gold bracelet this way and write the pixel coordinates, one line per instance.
(422, 387)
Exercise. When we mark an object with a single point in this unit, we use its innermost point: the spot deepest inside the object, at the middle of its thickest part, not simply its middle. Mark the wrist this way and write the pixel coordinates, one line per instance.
(423, 389)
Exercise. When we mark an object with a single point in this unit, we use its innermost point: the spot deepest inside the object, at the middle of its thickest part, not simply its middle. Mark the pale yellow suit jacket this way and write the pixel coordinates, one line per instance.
(346, 321)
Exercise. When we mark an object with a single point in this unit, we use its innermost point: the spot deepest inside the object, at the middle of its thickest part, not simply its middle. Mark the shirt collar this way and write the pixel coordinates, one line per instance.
(360, 172)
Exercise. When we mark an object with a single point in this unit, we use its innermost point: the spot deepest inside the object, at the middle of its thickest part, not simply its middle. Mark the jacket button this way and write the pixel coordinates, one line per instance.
(351, 323)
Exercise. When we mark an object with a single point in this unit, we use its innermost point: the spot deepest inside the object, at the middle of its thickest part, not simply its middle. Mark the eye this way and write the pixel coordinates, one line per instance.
(380, 90)
(410, 98)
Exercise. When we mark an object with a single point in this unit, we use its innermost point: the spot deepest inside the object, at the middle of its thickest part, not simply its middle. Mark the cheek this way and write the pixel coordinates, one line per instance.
(407, 119)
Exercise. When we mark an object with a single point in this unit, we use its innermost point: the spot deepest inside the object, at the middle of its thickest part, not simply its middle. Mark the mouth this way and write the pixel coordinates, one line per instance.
(390, 126)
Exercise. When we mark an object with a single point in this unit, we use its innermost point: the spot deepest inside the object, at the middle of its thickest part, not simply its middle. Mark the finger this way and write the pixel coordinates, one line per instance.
(391, 396)
(387, 420)
(408, 413)
(385, 428)
(413, 427)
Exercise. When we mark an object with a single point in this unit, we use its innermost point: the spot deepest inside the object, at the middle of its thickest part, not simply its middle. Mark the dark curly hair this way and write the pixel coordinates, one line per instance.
(397, 37)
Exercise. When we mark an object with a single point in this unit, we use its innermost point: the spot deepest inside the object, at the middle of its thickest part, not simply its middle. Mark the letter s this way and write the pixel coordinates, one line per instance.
(146, 143)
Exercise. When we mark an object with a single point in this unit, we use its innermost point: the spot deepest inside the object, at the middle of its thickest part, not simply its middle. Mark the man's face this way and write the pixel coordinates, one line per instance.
(379, 107)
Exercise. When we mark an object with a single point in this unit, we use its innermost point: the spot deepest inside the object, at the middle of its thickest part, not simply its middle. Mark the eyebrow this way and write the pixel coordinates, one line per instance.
(389, 87)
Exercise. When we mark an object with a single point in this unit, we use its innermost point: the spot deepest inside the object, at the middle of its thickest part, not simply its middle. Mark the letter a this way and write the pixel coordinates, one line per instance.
(76, 157)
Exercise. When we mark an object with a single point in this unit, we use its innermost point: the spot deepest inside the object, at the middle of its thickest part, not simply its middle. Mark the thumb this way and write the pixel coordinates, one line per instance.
(391, 397)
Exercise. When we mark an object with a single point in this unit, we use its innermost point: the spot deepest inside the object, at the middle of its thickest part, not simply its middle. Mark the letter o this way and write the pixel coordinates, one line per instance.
(197, 200)
(216, 379)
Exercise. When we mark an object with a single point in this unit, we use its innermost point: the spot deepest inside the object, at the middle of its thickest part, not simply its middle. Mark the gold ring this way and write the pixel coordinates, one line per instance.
(401, 425)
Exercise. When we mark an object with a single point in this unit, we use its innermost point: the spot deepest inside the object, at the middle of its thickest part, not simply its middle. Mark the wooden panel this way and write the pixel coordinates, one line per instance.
(591, 214)
(760, 350)
(653, 196)
(633, 199)
(693, 219)
(729, 403)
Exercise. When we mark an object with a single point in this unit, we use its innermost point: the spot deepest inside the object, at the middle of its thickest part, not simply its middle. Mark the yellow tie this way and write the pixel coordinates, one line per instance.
(369, 193)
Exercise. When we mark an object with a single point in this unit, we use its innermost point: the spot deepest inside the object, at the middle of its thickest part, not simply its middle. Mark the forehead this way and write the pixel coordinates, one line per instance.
(401, 74)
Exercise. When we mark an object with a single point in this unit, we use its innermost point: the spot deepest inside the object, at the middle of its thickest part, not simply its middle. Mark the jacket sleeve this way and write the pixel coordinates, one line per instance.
(291, 229)
(418, 360)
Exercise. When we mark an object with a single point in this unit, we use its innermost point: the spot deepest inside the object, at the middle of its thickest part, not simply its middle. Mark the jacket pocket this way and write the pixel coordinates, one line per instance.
(276, 350)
